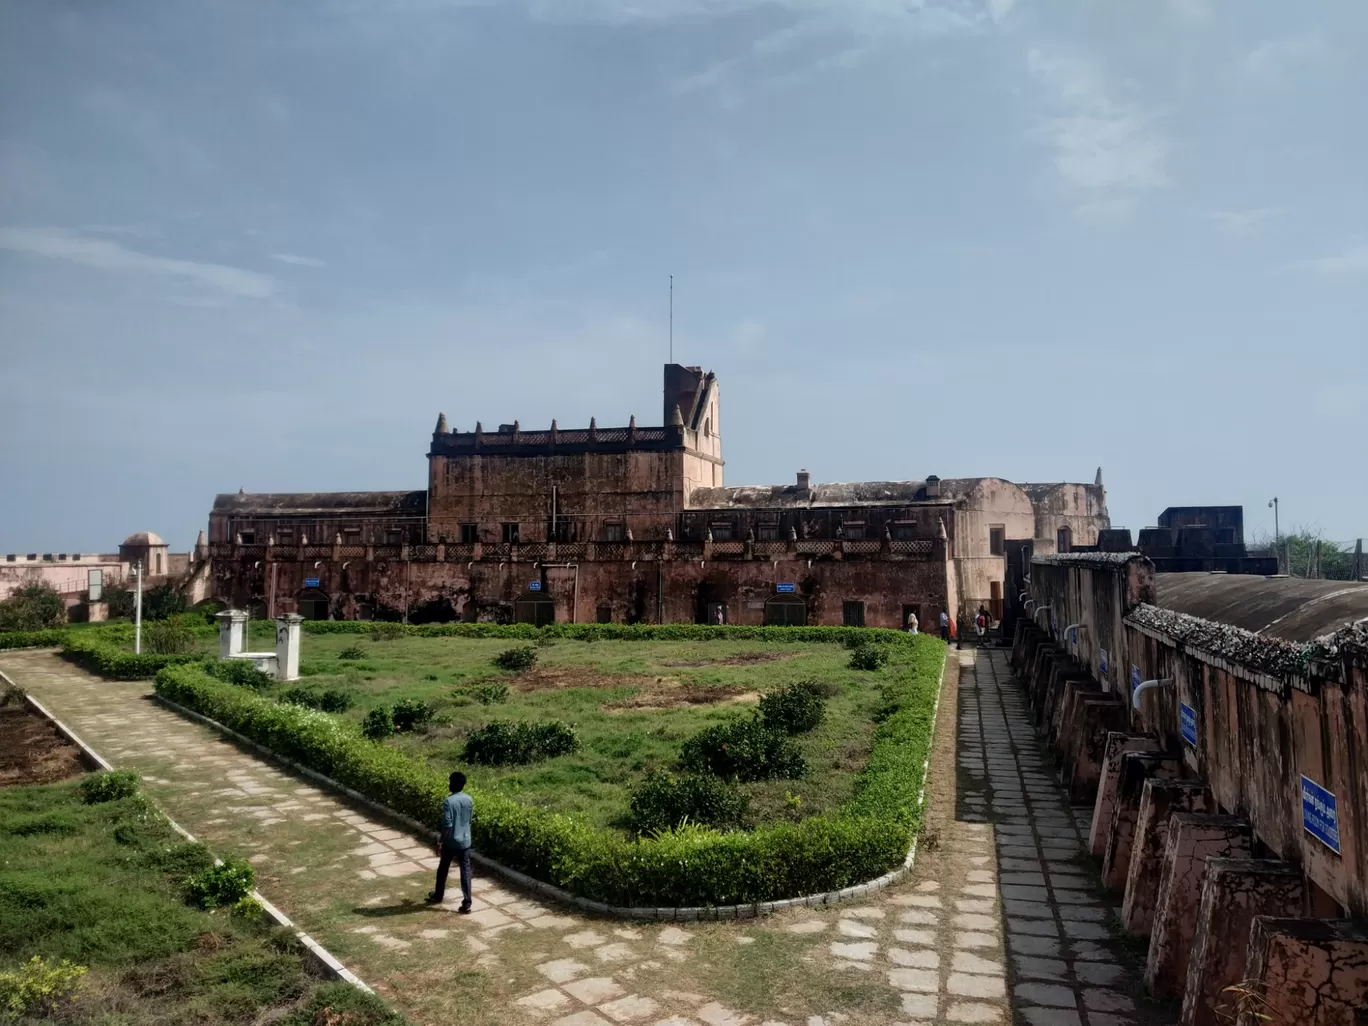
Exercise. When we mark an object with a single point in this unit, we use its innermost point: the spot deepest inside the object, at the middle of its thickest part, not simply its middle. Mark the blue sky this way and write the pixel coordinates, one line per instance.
(262, 245)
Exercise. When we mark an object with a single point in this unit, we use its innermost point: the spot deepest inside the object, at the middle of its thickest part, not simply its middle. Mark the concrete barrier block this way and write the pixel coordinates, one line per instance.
(1118, 743)
(1159, 800)
(1136, 768)
(1312, 972)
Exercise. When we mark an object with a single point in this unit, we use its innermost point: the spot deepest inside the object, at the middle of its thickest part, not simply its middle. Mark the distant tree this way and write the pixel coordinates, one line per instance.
(161, 602)
(32, 607)
(1298, 554)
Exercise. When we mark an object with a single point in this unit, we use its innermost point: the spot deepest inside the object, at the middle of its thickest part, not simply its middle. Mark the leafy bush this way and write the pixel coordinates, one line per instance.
(167, 637)
(90, 650)
(664, 801)
(33, 607)
(221, 886)
(32, 639)
(485, 694)
(341, 1004)
(505, 742)
(378, 724)
(691, 865)
(868, 657)
(410, 714)
(37, 987)
(108, 786)
(794, 708)
(121, 602)
(743, 749)
(386, 631)
(209, 609)
(330, 700)
(352, 652)
(162, 601)
(517, 660)
(241, 672)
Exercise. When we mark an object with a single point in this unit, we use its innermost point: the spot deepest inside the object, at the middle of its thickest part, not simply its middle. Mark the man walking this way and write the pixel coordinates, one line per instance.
(945, 625)
(455, 841)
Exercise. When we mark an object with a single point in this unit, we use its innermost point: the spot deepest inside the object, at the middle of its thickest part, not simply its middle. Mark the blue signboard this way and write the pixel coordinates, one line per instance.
(1135, 678)
(1320, 817)
(311, 582)
(786, 589)
(1102, 661)
(534, 586)
(1187, 722)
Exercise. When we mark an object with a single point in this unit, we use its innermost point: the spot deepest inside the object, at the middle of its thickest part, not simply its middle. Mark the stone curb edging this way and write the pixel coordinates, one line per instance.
(644, 912)
(320, 955)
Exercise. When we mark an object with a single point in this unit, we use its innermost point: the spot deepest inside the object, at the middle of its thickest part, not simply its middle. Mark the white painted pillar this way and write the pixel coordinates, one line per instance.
(232, 632)
(287, 646)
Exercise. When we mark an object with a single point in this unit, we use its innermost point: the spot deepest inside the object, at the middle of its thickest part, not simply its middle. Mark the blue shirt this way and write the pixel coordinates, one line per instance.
(456, 819)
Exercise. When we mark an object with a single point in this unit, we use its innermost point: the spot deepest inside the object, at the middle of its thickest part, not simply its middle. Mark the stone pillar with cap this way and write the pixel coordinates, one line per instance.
(232, 632)
(287, 646)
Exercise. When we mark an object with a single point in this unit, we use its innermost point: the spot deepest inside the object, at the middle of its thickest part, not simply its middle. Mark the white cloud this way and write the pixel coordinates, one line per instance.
(297, 261)
(999, 9)
(1108, 150)
(1190, 10)
(1352, 261)
(1278, 60)
(58, 244)
(1243, 222)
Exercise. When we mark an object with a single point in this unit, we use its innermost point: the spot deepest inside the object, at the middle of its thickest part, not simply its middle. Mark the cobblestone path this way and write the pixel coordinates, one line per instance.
(999, 923)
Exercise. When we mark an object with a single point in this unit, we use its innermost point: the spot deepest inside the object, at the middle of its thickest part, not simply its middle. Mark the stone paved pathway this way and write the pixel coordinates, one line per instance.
(1000, 921)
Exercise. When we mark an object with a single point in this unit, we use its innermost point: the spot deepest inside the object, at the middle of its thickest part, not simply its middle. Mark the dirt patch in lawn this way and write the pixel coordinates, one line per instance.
(31, 750)
(740, 659)
(556, 678)
(669, 693)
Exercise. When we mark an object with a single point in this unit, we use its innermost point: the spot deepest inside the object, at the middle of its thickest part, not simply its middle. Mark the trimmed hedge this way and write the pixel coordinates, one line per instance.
(849, 636)
(50, 638)
(690, 865)
(93, 653)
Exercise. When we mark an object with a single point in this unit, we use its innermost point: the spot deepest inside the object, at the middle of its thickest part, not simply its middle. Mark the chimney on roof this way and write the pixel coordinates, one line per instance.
(804, 488)
(933, 487)
(677, 418)
(1097, 481)
(441, 428)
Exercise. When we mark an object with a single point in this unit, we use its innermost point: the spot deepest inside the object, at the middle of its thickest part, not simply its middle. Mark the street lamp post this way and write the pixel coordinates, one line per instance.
(137, 610)
(1277, 535)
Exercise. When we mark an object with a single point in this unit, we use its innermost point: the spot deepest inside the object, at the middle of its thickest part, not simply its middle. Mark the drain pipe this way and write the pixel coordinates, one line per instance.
(1144, 686)
(1074, 627)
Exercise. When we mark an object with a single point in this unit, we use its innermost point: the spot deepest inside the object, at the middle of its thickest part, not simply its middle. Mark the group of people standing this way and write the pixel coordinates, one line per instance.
(982, 621)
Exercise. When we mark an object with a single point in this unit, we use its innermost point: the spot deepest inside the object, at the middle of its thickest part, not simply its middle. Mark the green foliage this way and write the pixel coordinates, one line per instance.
(383, 631)
(108, 786)
(241, 672)
(221, 886)
(509, 742)
(209, 610)
(38, 987)
(161, 602)
(31, 639)
(869, 657)
(247, 907)
(664, 801)
(33, 607)
(378, 724)
(91, 650)
(517, 660)
(122, 603)
(794, 708)
(490, 693)
(330, 700)
(690, 865)
(341, 1004)
(410, 714)
(167, 637)
(352, 652)
(744, 749)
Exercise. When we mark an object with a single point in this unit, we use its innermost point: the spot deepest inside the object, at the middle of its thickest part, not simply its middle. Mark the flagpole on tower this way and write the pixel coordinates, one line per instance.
(672, 318)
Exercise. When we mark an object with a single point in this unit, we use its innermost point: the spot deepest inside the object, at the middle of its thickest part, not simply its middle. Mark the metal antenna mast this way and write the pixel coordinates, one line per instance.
(672, 318)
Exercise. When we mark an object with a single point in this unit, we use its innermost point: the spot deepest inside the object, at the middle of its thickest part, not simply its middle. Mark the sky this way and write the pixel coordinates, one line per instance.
(247, 244)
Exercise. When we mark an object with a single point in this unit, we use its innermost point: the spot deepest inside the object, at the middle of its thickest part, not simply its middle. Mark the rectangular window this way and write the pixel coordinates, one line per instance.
(1064, 539)
(722, 532)
(852, 614)
(285, 535)
(393, 537)
(996, 539)
(905, 532)
(510, 534)
(854, 531)
(470, 534)
(604, 614)
(767, 532)
(95, 584)
(614, 531)
(248, 537)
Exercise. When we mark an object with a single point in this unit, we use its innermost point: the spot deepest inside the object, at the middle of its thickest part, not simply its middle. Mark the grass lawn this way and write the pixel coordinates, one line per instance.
(633, 703)
(102, 885)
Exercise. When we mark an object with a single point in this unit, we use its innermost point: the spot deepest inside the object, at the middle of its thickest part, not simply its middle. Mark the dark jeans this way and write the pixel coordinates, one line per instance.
(462, 858)
(945, 633)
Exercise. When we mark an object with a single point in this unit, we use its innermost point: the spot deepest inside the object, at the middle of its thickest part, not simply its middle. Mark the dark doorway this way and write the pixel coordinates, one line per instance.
(313, 604)
(715, 613)
(536, 609)
(852, 614)
(910, 609)
(786, 611)
(604, 614)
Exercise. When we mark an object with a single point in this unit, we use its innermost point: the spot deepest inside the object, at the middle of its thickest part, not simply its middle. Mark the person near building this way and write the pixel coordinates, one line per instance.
(981, 623)
(945, 625)
(911, 623)
(454, 845)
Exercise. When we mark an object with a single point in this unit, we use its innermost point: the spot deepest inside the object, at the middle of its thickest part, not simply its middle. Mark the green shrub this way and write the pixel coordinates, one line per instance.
(341, 1004)
(386, 631)
(209, 610)
(664, 801)
(247, 907)
(794, 708)
(744, 749)
(91, 650)
(352, 652)
(31, 639)
(410, 714)
(221, 886)
(505, 742)
(167, 637)
(868, 657)
(526, 632)
(330, 700)
(108, 786)
(37, 987)
(378, 724)
(486, 694)
(691, 865)
(33, 607)
(162, 601)
(242, 672)
(122, 603)
(517, 660)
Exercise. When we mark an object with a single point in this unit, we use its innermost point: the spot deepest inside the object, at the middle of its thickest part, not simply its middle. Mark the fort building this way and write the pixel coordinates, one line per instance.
(637, 524)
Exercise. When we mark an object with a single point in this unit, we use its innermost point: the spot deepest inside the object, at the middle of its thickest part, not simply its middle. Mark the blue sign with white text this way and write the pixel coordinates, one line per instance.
(1187, 721)
(534, 586)
(311, 582)
(784, 588)
(1320, 816)
(1102, 661)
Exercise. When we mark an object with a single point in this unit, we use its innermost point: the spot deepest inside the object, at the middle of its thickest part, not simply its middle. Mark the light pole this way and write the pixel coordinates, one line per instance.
(137, 610)
(1277, 535)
